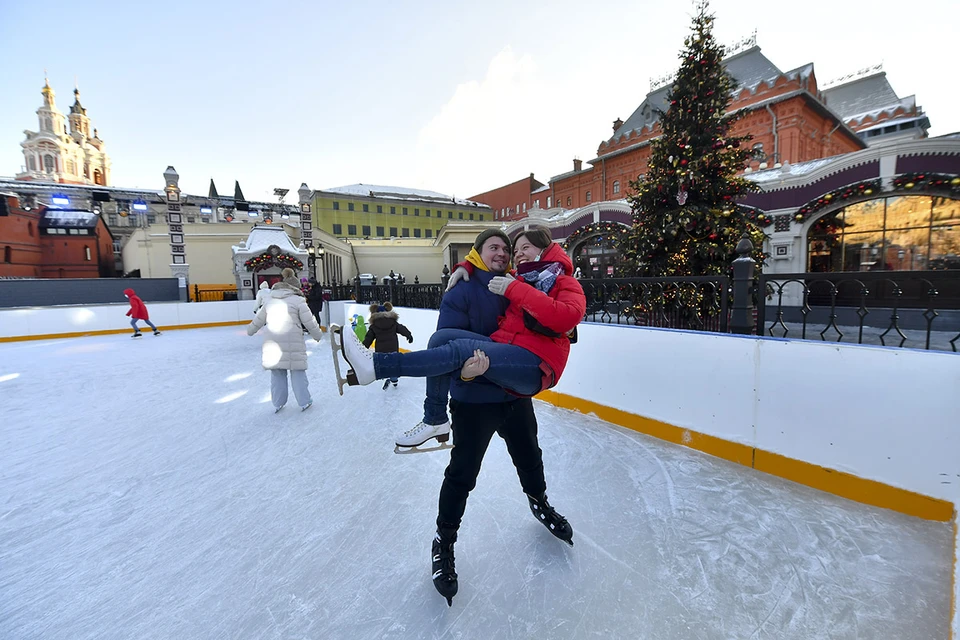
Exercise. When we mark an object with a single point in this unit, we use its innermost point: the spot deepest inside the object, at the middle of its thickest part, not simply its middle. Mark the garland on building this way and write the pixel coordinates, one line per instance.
(612, 231)
(852, 191)
(265, 261)
(929, 181)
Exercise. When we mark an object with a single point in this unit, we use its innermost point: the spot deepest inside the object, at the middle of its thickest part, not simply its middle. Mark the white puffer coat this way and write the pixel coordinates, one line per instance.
(285, 315)
(262, 294)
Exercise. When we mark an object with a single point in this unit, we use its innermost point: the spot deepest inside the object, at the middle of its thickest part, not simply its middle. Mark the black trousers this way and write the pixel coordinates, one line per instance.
(473, 426)
(315, 309)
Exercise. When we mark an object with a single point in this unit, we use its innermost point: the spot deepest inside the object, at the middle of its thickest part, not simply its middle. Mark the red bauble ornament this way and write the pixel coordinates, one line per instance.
(683, 163)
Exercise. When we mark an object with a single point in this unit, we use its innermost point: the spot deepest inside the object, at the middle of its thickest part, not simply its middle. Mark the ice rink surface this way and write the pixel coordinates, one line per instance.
(147, 490)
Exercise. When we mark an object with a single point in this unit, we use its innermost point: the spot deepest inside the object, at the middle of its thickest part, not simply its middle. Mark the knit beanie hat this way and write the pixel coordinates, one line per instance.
(489, 233)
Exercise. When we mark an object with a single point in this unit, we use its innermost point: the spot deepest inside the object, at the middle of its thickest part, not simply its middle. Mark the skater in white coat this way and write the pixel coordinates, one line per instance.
(262, 294)
(285, 314)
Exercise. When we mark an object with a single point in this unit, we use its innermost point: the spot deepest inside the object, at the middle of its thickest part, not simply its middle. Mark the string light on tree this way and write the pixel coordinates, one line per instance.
(686, 218)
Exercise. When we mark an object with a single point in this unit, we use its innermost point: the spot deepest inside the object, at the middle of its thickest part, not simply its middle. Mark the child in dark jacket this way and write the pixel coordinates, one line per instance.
(384, 328)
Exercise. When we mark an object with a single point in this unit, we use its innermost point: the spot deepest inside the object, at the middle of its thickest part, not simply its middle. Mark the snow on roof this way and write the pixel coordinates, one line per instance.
(907, 104)
(749, 68)
(401, 193)
(262, 238)
(62, 218)
(565, 214)
(861, 96)
(545, 187)
(895, 121)
(789, 171)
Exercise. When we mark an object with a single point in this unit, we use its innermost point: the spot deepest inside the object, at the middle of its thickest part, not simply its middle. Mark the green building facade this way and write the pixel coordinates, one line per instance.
(370, 211)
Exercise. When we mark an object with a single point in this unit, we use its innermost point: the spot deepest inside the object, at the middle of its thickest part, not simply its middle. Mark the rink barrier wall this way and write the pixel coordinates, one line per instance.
(49, 323)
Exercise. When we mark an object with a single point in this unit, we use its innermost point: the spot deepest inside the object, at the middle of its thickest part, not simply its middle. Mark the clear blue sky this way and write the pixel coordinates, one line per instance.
(457, 97)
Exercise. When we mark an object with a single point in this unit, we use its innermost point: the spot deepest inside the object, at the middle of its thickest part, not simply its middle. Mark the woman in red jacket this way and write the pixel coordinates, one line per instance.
(138, 311)
(526, 354)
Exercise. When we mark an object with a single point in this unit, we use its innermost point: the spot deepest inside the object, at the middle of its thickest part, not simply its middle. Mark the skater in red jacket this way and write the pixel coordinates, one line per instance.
(138, 311)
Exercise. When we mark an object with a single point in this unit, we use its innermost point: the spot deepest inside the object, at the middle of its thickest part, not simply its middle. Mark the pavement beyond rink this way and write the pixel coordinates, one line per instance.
(149, 491)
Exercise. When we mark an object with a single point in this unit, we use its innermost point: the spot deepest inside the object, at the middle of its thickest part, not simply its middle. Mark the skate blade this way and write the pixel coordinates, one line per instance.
(421, 449)
(336, 345)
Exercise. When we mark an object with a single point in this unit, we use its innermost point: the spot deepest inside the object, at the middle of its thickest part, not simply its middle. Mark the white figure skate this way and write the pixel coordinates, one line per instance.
(412, 441)
(359, 359)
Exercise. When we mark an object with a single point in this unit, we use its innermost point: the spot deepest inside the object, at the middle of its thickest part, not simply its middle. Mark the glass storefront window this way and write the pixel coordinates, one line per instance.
(898, 233)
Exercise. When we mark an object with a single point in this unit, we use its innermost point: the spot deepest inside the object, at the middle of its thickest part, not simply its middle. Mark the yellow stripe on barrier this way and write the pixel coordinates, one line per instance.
(838, 483)
(107, 332)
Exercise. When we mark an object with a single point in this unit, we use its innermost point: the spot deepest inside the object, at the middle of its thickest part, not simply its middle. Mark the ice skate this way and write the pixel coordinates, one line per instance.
(157, 333)
(306, 406)
(412, 441)
(548, 517)
(444, 571)
(386, 383)
(137, 334)
(277, 410)
(357, 357)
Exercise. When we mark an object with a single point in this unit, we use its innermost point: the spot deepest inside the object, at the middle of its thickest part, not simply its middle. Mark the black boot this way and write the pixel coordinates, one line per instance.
(552, 520)
(444, 571)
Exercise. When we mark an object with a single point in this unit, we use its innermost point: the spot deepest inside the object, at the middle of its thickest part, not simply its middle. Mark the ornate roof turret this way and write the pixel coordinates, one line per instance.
(77, 107)
(48, 93)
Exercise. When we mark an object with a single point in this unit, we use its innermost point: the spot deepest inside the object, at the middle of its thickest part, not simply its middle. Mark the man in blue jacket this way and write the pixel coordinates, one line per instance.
(479, 409)
(470, 307)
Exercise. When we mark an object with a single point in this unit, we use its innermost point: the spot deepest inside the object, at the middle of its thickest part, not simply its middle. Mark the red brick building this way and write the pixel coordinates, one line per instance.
(54, 243)
(792, 120)
(511, 202)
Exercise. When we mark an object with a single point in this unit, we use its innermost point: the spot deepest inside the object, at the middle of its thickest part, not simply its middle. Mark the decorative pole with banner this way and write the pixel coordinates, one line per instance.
(178, 249)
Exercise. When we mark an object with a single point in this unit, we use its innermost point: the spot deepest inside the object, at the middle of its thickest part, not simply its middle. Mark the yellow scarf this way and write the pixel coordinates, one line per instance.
(474, 258)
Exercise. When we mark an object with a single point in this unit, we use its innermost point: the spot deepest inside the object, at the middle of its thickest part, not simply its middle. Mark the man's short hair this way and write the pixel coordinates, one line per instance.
(491, 233)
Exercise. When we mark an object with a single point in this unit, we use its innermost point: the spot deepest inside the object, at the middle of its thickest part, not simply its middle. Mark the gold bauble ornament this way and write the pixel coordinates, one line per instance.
(955, 181)
(868, 192)
(829, 196)
(909, 185)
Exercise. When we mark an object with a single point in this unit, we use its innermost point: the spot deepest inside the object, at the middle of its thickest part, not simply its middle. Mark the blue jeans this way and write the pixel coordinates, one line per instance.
(133, 323)
(438, 387)
(511, 367)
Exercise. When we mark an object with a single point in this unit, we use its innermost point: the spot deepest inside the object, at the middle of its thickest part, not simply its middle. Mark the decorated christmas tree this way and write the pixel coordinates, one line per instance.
(686, 220)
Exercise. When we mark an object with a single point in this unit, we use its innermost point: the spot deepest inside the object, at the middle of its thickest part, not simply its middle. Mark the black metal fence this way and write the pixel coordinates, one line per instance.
(914, 309)
(917, 309)
(396, 291)
(701, 303)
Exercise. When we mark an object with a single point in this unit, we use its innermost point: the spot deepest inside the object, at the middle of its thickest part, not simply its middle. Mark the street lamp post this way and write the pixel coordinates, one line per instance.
(320, 252)
(312, 262)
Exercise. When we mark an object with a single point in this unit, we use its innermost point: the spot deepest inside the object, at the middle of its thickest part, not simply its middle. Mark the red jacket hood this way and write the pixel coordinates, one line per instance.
(129, 292)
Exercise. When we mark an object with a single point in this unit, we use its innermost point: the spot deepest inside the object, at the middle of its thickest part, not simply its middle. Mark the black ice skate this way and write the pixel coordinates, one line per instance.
(386, 383)
(137, 334)
(444, 571)
(548, 516)
(157, 333)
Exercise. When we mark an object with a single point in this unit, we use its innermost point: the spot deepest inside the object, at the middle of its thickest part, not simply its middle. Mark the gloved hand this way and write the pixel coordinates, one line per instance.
(458, 274)
(499, 284)
(476, 365)
(410, 339)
